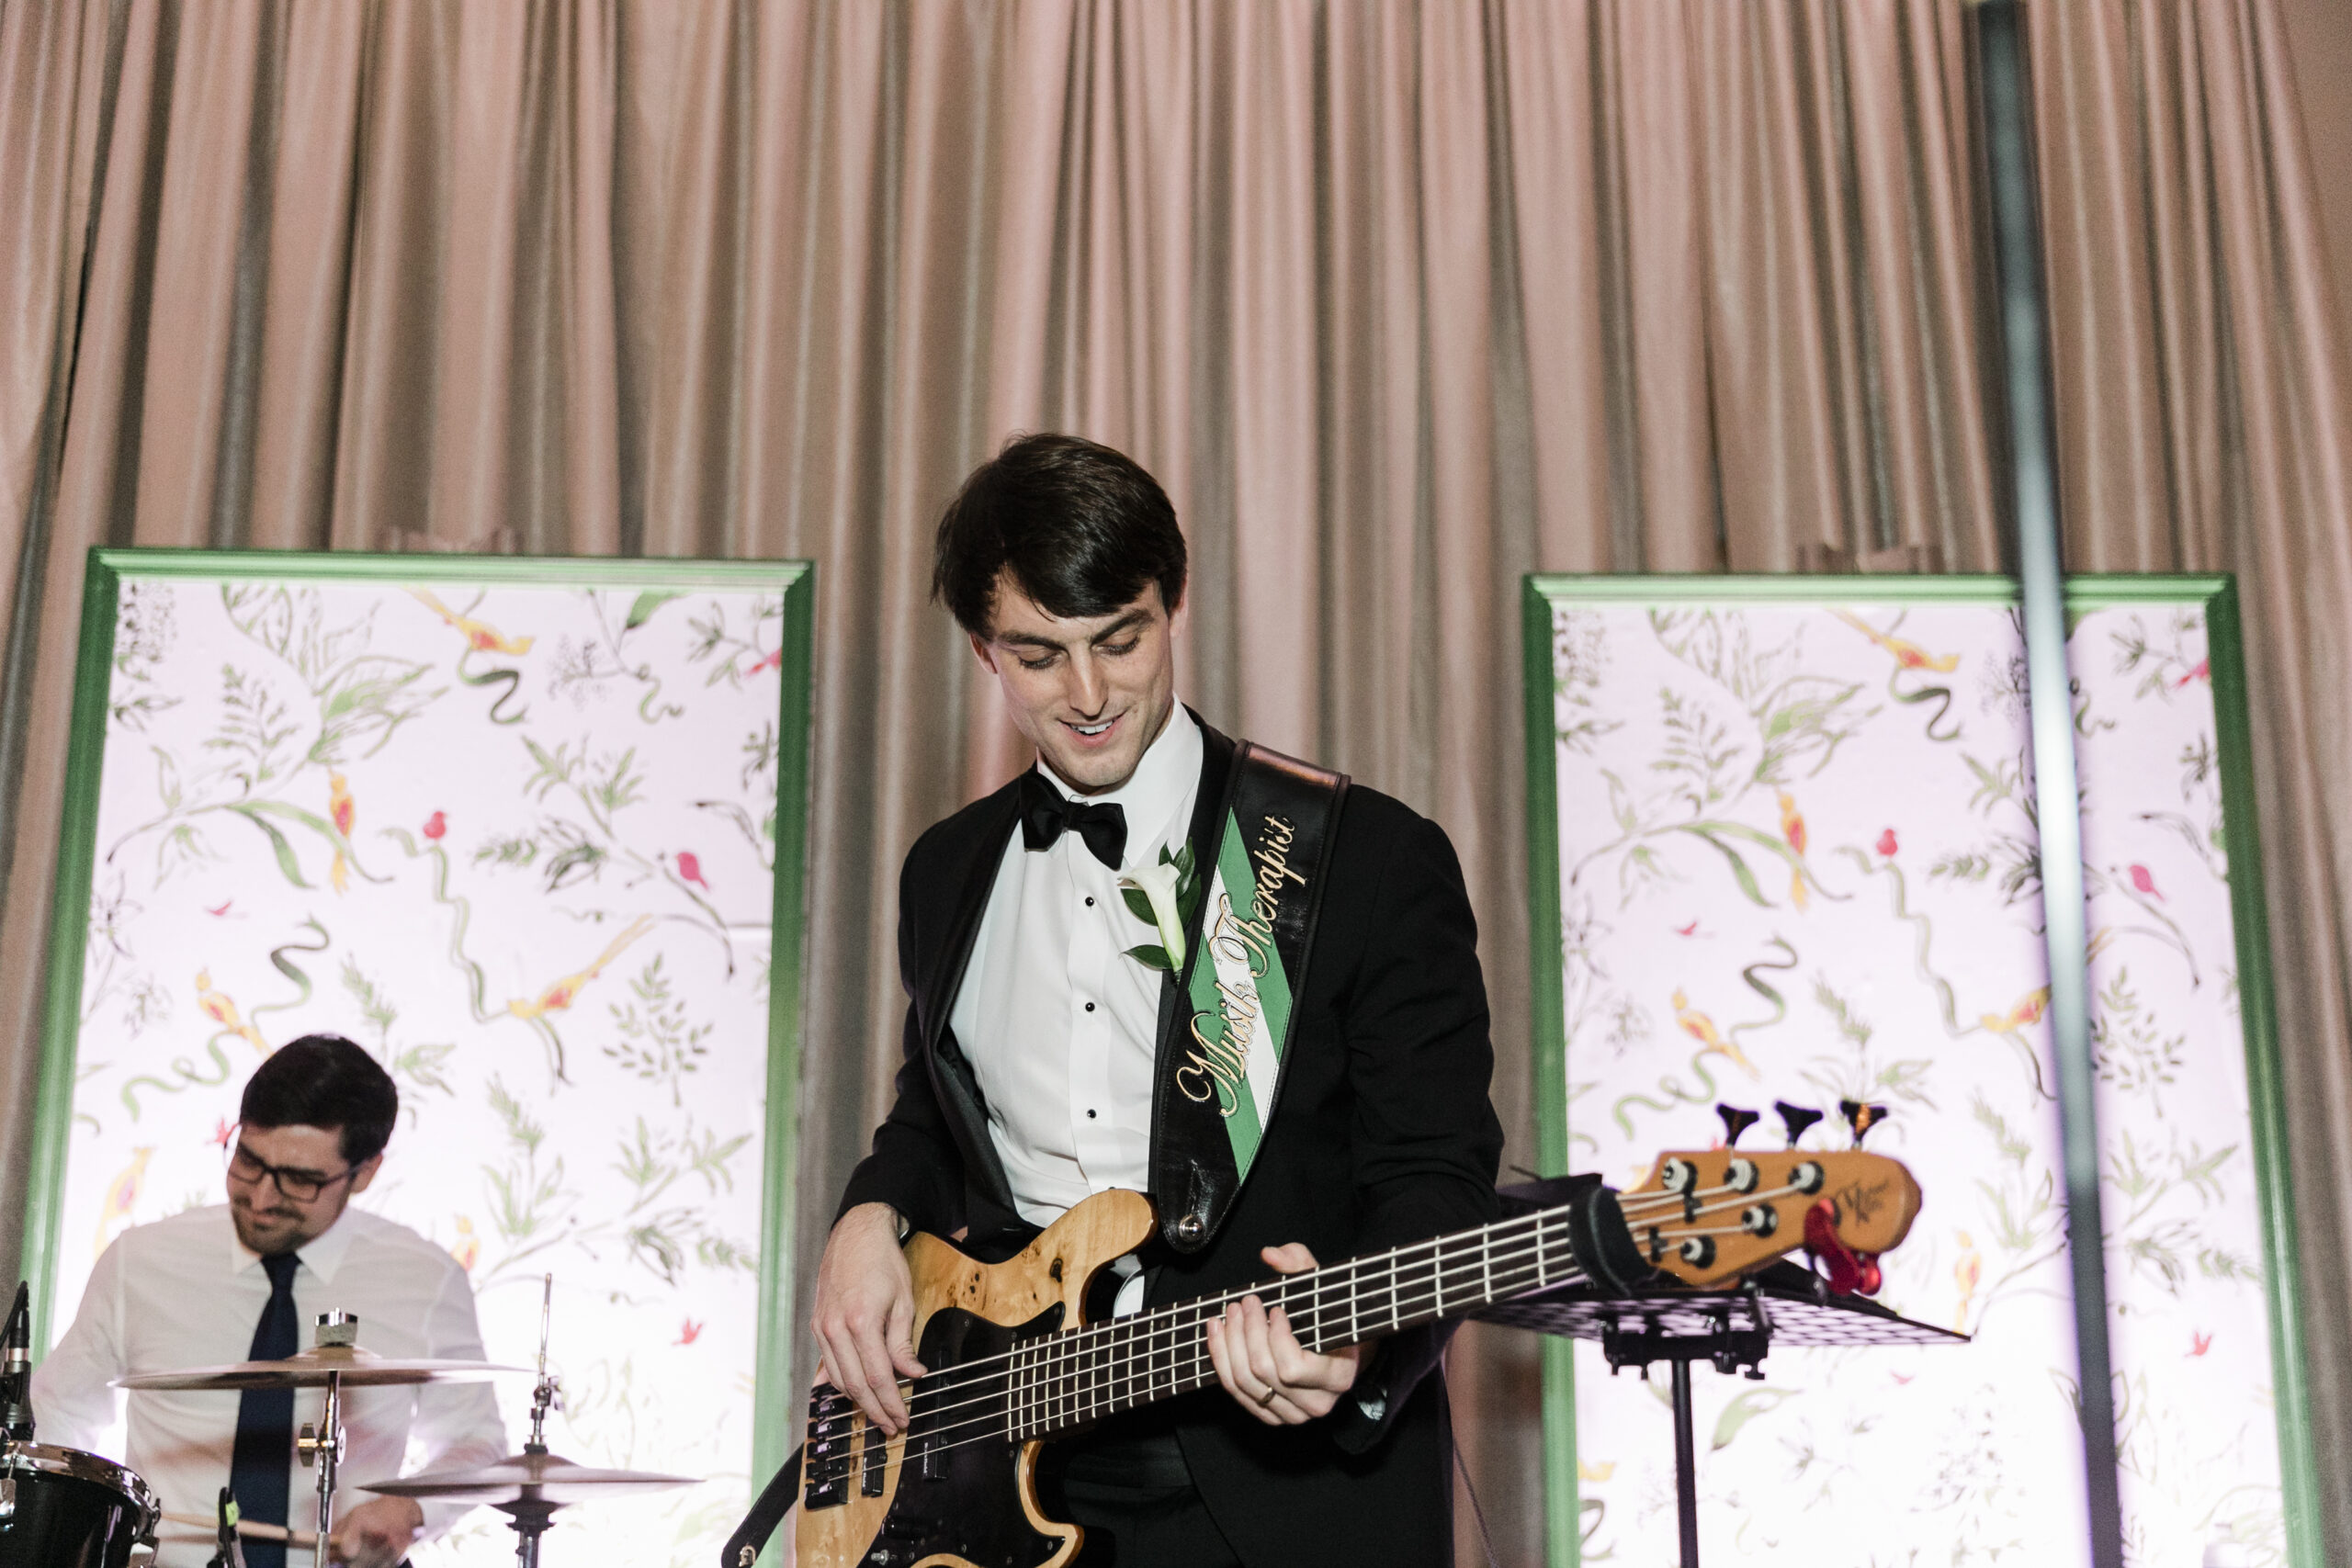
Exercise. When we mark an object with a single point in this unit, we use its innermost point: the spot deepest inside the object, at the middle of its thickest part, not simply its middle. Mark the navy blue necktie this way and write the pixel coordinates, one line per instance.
(258, 1469)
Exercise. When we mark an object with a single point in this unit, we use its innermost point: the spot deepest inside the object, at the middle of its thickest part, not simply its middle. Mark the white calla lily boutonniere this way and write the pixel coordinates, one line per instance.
(1165, 896)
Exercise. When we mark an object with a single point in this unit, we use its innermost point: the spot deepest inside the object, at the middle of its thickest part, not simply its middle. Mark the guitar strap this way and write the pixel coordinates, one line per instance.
(775, 1499)
(1222, 1060)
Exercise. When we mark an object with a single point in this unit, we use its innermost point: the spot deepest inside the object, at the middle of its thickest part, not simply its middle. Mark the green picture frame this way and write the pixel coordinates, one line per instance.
(2216, 595)
(777, 1416)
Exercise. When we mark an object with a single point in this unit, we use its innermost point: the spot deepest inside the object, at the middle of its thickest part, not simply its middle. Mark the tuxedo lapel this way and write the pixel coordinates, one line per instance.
(951, 1072)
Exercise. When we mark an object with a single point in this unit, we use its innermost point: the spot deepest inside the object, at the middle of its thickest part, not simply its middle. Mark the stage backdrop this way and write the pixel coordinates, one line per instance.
(1785, 849)
(532, 832)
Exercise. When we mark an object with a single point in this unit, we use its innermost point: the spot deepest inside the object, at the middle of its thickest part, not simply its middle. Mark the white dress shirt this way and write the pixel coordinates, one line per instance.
(1058, 1023)
(185, 1292)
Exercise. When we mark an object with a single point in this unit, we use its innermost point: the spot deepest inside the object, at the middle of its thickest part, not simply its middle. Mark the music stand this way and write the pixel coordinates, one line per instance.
(1732, 1330)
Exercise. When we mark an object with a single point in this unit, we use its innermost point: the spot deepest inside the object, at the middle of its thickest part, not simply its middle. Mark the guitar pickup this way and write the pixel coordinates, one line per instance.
(874, 1462)
(825, 1465)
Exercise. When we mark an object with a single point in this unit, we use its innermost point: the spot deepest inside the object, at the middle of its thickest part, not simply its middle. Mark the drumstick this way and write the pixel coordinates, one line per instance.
(252, 1529)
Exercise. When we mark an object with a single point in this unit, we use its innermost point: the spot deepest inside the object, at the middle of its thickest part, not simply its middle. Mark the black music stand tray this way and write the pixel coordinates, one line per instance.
(1732, 1329)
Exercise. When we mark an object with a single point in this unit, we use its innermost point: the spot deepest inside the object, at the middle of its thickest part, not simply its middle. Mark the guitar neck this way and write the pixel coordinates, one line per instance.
(1061, 1381)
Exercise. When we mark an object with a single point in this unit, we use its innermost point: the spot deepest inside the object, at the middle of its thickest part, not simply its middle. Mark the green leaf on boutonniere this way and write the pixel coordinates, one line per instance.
(1138, 903)
(1152, 957)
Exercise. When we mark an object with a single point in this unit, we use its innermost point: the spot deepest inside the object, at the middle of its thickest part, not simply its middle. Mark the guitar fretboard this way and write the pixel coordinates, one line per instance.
(1060, 1382)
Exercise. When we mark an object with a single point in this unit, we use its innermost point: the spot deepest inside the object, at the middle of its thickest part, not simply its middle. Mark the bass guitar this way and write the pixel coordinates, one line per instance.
(1014, 1365)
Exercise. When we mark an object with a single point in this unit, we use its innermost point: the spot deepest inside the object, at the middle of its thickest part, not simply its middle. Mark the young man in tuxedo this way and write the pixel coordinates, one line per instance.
(1044, 1063)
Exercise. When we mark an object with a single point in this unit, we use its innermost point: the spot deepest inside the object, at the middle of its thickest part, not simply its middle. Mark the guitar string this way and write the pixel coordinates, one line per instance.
(1001, 1423)
(1059, 1355)
(1393, 1258)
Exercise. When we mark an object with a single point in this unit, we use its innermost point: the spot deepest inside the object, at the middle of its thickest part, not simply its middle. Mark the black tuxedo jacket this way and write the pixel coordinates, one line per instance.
(1382, 1134)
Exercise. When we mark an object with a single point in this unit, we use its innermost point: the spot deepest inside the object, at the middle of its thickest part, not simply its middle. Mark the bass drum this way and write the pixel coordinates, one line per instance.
(65, 1508)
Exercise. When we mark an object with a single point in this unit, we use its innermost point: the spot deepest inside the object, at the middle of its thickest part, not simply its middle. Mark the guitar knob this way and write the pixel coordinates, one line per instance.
(1796, 1118)
(1862, 1117)
(1736, 1122)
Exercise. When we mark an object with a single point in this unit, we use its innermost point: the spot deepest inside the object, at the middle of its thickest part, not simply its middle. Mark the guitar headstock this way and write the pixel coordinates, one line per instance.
(1708, 1216)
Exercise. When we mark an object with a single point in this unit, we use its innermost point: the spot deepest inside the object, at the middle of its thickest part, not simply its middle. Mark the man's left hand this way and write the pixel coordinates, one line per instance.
(375, 1534)
(1263, 1366)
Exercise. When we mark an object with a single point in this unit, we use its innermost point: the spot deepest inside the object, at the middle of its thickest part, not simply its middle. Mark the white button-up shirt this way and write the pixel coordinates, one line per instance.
(1058, 1023)
(185, 1292)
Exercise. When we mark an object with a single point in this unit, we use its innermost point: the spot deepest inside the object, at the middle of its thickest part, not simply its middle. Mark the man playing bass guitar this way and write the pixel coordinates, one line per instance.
(1289, 1057)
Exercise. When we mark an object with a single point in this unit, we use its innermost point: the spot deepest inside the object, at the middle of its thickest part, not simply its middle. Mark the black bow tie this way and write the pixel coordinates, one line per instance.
(1047, 814)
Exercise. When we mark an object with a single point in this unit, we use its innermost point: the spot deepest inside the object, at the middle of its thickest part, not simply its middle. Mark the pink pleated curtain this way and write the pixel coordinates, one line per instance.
(1401, 301)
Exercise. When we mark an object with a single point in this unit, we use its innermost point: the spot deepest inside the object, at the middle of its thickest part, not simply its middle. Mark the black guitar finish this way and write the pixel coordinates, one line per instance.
(958, 1488)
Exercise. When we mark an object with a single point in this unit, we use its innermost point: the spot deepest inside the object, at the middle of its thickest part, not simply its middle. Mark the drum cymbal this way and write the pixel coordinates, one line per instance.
(310, 1369)
(550, 1478)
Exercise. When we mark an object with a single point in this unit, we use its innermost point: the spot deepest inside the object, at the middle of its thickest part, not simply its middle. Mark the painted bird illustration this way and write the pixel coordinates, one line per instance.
(773, 661)
(344, 813)
(2203, 671)
(560, 996)
(1886, 843)
(1792, 830)
(1909, 654)
(1702, 1028)
(223, 1011)
(466, 1248)
(689, 1332)
(437, 825)
(1690, 930)
(221, 1131)
(2027, 1010)
(122, 1196)
(1967, 1273)
(690, 870)
(480, 636)
(1601, 1472)
(2199, 1343)
(2146, 881)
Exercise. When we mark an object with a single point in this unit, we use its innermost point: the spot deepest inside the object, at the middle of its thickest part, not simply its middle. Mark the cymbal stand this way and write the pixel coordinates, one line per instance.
(322, 1447)
(531, 1514)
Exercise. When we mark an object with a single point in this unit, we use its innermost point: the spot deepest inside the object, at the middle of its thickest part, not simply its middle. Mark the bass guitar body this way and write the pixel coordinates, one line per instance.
(952, 1491)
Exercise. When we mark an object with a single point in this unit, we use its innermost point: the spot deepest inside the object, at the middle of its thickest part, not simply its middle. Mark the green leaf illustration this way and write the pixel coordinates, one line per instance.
(278, 845)
(1755, 1401)
(647, 602)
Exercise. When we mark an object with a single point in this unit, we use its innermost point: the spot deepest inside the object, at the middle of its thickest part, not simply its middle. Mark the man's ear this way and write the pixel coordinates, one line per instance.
(366, 1172)
(980, 651)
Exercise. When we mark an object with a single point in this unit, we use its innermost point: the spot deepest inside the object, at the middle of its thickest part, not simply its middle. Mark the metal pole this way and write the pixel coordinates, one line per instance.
(330, 1425)
(2006, 107)
(1686, 1466)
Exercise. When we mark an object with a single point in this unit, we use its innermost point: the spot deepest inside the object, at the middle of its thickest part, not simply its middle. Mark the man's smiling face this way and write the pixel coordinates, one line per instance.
(1089, 692)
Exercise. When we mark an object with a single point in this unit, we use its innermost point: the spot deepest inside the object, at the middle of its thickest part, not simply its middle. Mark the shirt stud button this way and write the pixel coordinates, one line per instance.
(1090, 1116)
(1089, 903)
(1090, 1007)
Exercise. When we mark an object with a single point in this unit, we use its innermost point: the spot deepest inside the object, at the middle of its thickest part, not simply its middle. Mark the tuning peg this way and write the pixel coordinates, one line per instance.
(1795, 1118)
(1862, 1117)
(1735, 1122)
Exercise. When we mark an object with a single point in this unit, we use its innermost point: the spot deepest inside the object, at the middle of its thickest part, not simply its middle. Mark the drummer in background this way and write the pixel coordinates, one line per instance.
(246, 1281)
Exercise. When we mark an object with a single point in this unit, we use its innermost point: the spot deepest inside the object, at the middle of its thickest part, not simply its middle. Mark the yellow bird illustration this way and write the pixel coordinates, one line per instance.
(1967, 1272)
(1702, 1028)
(1596, 1472)
(466, 1248)
(1909, 654)
(122, 1197)
(223, 1011)
(1792, 830)
(480, 636)
(344, 813)
(557, 996)
(2027, 1010)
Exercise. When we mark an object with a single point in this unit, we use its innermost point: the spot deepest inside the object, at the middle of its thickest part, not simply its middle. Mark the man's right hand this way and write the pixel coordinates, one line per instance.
(864, 1313)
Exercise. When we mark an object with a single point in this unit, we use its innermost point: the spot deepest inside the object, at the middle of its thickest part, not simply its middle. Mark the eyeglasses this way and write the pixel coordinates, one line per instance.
(300, 1185)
